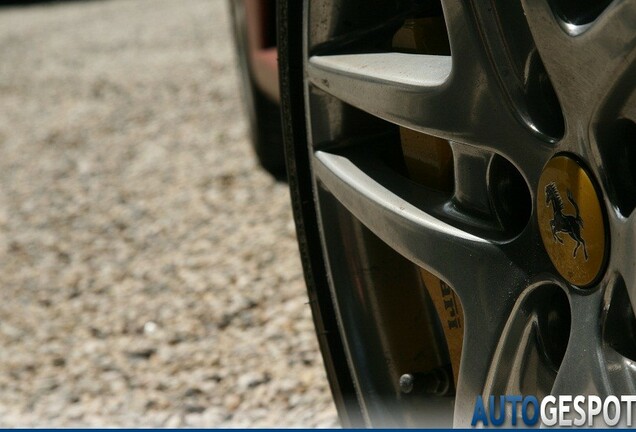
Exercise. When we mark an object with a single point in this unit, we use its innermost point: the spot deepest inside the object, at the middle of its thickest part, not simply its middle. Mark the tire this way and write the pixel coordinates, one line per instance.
(263, 113)
(430, 194)
(300, 184)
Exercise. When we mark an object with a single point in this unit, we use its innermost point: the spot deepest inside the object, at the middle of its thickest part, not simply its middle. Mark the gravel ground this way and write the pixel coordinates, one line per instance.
(149, 270)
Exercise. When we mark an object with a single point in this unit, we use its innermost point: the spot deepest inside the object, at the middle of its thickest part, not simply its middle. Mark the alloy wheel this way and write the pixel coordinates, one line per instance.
(427, 175)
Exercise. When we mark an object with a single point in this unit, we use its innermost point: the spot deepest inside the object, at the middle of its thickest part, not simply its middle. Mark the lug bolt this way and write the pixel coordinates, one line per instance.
(406, 383)
(437, 382)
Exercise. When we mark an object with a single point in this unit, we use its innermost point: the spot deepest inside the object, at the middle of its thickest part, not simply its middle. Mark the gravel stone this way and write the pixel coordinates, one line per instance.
(149, 270)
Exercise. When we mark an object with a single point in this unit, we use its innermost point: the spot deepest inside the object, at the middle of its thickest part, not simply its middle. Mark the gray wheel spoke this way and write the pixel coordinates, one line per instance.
(483, 329)
(550, 37)
(505, 348)
(514, 351)
(405, 227)
(469, 56)
(416, 91)
(608, 48)
(492, 117)
(589, 367)
(592, 57)
(401, 88)
(471, 173)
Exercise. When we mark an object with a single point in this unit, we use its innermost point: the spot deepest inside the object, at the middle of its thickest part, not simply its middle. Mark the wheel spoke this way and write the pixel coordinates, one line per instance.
(584, 61)
(494, 117)
(502, 352)
(589, 367)
(608, 47)
(482, 332)
(583, 370)
(396, 221)
(471, 168)
(416, 91)
(401, 88)
(409, 226)
(557, 50)
(469, 56)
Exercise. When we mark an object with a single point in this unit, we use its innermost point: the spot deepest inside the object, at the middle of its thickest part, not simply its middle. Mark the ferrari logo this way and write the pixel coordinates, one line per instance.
(564, 223)
(572, 225)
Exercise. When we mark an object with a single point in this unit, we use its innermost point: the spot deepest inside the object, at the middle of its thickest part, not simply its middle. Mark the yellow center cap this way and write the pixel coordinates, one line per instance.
(571, 220)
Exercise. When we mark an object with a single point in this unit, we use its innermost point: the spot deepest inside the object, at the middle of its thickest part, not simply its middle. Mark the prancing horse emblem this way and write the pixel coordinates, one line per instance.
(568, 224)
